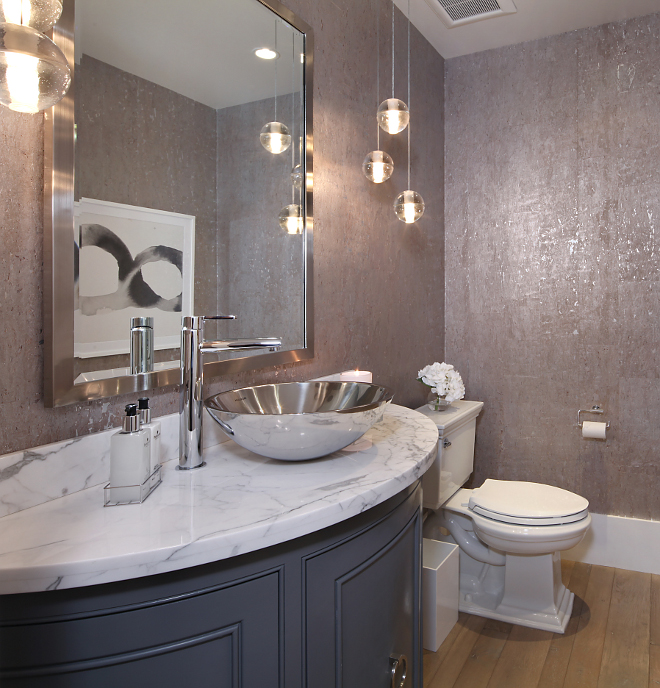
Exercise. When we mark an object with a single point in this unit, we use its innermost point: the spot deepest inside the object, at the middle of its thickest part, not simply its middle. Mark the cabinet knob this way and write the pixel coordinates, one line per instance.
(399, 669)
(446, 443)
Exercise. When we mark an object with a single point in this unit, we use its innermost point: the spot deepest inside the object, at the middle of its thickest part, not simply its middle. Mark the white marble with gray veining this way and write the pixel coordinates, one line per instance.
(39, 475)
(238, 503)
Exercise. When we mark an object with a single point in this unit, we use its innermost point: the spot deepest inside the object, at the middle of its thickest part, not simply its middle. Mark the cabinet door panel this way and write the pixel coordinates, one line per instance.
(205, 640)
(362, 605)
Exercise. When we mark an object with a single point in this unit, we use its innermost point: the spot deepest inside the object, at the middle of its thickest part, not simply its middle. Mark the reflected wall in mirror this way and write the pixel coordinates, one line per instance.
(171, 199)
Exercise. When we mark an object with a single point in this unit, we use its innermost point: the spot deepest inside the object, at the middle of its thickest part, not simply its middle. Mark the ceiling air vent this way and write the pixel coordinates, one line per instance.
(458, 12)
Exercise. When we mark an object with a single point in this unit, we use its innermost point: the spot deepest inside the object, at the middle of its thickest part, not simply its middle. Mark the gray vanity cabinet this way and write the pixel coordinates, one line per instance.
(211, 636)
(327, 609)
(362, 607)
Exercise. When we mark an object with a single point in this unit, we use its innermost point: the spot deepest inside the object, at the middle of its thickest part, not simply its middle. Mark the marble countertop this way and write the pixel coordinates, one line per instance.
(238, 503)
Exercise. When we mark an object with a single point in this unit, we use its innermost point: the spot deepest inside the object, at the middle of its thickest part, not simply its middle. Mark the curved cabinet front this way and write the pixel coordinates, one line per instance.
(327, 609)
(361, 608)
(201, 635)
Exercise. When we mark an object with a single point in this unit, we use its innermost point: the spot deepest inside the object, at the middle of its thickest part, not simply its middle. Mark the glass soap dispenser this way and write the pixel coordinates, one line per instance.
(129, 459)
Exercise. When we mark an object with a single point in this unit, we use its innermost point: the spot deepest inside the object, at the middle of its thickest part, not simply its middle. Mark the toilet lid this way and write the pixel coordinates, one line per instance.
(523, 503)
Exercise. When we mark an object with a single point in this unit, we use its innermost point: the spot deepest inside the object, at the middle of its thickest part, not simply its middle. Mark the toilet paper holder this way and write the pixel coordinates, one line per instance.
(593, 409)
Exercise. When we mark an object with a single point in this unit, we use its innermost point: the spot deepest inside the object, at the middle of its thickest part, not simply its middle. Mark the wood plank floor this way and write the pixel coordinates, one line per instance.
(612, 640)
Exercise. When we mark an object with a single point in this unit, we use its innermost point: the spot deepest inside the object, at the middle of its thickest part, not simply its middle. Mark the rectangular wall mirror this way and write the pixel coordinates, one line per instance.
(161, 196)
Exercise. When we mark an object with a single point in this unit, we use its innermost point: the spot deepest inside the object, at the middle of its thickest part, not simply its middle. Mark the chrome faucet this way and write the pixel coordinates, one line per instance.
(191, 399)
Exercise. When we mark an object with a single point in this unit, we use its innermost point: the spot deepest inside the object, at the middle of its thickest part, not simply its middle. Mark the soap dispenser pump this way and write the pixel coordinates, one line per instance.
(129, 458)
(153, 428)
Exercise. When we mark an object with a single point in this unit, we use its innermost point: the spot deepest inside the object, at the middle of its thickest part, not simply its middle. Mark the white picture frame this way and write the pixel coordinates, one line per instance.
(131, 262)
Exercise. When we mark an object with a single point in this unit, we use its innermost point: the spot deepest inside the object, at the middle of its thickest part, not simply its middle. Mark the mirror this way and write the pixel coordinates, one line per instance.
(162, 199)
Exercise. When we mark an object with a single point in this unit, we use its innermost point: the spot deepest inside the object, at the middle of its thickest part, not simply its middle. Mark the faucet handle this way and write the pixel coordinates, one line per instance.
(196, 322)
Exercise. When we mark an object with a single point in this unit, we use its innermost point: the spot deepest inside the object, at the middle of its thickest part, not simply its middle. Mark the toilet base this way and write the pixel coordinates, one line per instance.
(542, 620)
(527, 591)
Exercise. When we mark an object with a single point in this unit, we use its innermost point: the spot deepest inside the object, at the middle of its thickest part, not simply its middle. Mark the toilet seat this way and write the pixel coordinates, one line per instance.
(527, 504)
(513, 520)
(513, 538)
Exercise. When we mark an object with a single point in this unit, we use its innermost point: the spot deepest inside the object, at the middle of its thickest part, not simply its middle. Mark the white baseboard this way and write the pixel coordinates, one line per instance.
(619, 542)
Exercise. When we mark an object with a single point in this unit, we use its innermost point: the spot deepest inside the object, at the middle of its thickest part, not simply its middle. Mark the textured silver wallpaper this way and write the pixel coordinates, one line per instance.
(552, 299)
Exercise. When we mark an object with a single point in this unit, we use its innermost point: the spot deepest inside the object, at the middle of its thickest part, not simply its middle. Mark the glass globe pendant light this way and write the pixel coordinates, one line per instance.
(378, 165)
(393, 115)
(409, 205)
(275, 136)
(34, 74)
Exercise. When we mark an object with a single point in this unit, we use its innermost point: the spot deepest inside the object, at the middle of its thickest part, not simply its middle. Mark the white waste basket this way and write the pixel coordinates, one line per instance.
(440, 579)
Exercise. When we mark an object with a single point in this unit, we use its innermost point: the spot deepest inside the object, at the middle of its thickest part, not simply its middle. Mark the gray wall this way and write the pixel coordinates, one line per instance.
(378, 283)
(552, 302)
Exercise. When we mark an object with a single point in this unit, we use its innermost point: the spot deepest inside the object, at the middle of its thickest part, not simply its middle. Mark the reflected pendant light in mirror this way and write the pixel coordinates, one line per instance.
(34, 74)
(393, 115)
(291, 216)
(290, 219)
(409, 205)
(297, 176)
(275, 136)
(378, 165)
(39, 14)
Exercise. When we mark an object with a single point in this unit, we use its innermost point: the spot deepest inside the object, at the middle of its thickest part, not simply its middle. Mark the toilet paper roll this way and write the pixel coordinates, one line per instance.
(591, 429)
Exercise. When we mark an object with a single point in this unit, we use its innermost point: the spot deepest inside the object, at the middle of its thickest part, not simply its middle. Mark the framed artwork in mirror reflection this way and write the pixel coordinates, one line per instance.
(130, 262)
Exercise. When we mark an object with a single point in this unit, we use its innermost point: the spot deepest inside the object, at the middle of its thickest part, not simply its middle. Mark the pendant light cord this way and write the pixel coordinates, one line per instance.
(409, 121)
(276, 71)
(392, 48)
(293, 116)
(302, 150)
(377, 71)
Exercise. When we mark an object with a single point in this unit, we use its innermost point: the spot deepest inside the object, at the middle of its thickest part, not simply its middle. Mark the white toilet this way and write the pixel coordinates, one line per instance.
(510, 533)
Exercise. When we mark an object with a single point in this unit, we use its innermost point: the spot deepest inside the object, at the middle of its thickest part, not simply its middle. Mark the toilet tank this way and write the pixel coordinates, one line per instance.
(455, 460)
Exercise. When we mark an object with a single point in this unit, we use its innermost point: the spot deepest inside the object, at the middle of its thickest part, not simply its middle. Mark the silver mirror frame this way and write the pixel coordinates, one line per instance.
(59, 145)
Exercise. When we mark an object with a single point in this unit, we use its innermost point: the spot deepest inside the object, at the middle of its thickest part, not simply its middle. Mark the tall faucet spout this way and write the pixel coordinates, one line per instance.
(191, 398)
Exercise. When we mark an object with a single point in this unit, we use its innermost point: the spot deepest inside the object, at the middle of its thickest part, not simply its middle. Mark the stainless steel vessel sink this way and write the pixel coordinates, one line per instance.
(294, 421)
